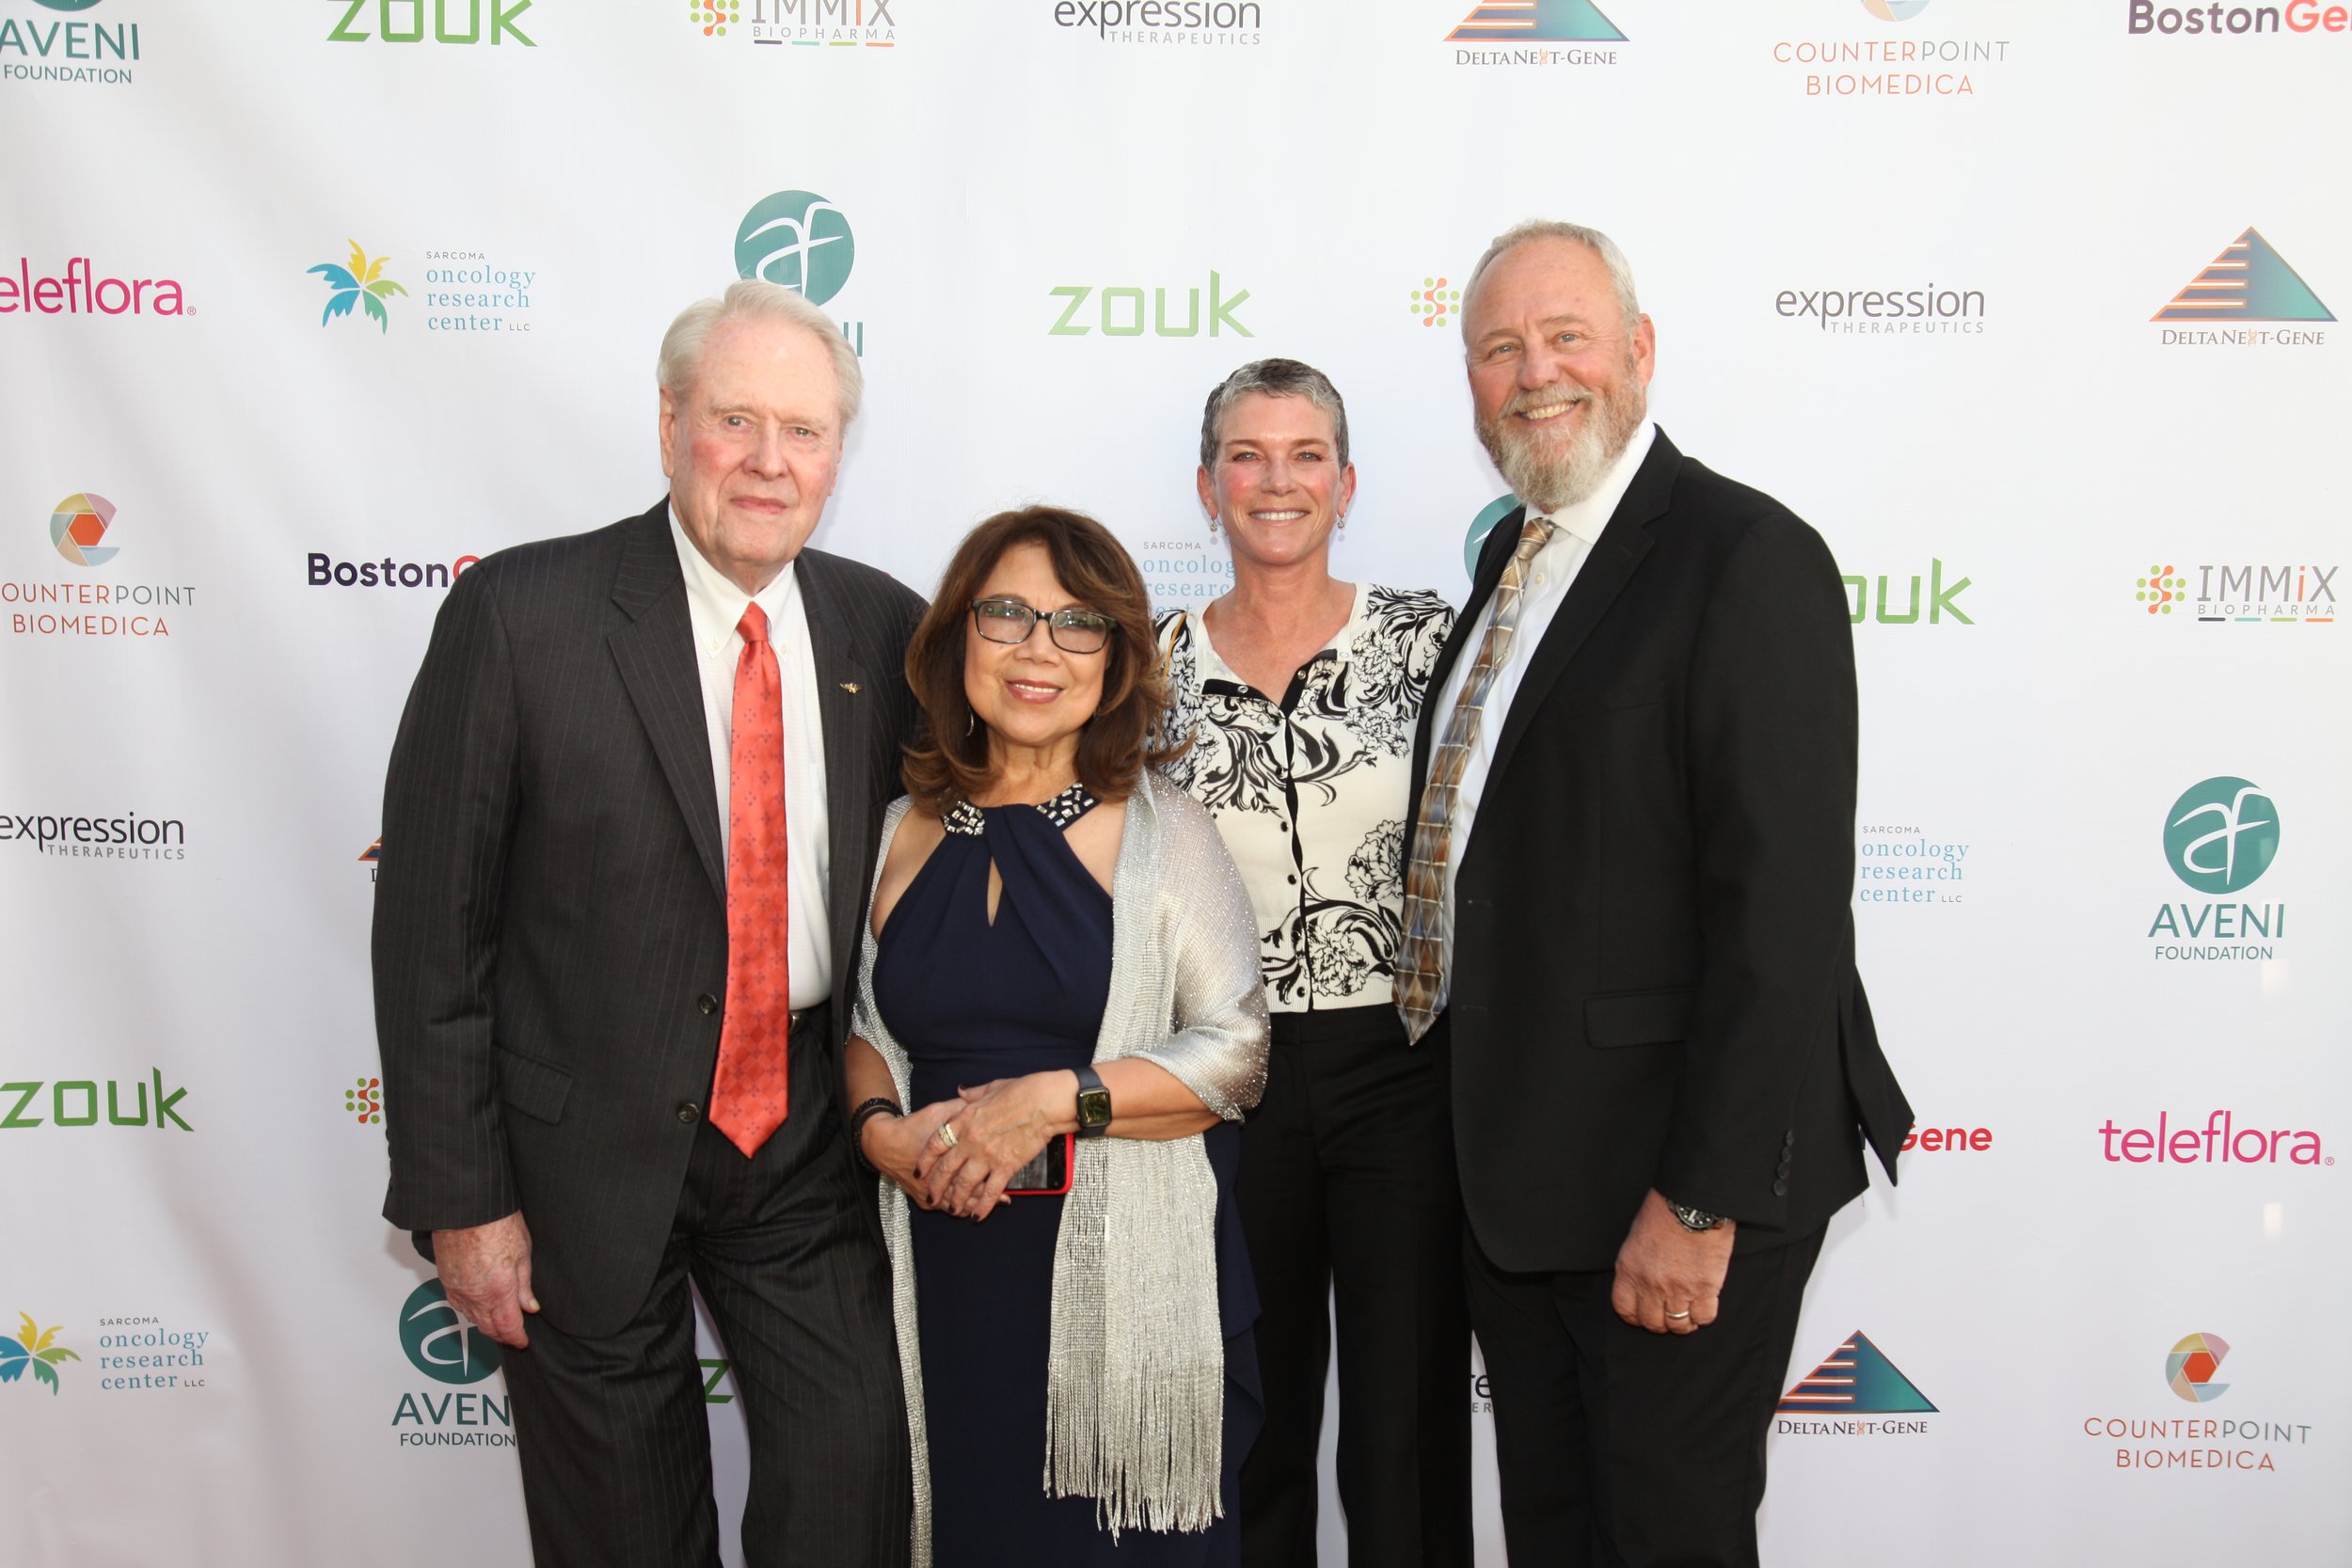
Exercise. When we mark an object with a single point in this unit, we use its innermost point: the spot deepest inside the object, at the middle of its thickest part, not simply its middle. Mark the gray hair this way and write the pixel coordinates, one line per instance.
(1275, 378)
(1600, 245)
(754, 298)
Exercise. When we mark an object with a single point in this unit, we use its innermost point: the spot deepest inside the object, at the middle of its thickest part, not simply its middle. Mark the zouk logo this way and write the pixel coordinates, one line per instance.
(74, 1103)
(2219, 837)
(1535, 33)
(79, 291)
(1942, 602)
(1122, 313)
(2196, 1442)
(1876, 66)
(2294, 594)
(803, 24)
(452, 21)
(803, 241)
(442, 1345)
(80, 50)
(2249, 281)
(1854, 1380)
(36, 1347)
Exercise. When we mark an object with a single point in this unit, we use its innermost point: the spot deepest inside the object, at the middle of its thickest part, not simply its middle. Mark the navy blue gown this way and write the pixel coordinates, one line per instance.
(972, 1003)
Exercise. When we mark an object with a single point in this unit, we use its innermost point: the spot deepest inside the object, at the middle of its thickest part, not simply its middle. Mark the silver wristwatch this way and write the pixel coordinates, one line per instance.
(1693, 1219)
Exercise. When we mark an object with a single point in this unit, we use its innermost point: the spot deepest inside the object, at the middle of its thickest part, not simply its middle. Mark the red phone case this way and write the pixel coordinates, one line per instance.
(1042, 1169)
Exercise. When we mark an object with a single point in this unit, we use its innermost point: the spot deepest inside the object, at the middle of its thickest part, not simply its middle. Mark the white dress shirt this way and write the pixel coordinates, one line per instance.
(1549, 579)
(715, 606)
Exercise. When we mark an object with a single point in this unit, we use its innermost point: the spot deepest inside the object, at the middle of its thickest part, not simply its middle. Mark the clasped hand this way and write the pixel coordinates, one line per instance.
(997, 1129)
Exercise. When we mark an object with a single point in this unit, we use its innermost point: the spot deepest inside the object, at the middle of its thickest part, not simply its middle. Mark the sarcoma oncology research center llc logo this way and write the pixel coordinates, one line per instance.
(36, 1347)
(441, 1343)
(361, 282)
(2221, 835)
(2190, 1368)
(76, 525)
(800, 239)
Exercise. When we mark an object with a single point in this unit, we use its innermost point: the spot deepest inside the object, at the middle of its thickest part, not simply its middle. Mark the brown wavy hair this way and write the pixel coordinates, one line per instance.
(948, 759)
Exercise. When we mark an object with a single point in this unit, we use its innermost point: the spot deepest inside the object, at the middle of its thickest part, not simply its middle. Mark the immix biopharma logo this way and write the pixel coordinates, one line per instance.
(2220, 838)
(65, 48)
(2242, 1442)
(800, 23)
(2249, 282)
(803, 241)
(1912, 64)
(454, 1355)
(2243, 594)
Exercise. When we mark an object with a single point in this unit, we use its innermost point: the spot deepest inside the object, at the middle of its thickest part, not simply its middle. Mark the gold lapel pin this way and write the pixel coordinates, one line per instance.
(850, 687)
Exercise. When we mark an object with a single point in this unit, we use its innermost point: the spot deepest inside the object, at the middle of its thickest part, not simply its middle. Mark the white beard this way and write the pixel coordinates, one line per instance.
(1548, 475)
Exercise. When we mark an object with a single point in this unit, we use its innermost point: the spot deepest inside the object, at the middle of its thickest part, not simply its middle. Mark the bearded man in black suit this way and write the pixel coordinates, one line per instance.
(1629, 923)
(640, 771)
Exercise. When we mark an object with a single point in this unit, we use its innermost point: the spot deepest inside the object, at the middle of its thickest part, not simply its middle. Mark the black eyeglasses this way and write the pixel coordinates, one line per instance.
(1073, 630)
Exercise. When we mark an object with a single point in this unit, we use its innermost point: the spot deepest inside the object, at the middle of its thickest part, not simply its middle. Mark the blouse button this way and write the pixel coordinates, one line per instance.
(1293, 882)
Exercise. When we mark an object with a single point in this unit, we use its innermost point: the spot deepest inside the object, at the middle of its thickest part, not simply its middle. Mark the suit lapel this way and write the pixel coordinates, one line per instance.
(1606, 571)
(845, 695)
(655, 653)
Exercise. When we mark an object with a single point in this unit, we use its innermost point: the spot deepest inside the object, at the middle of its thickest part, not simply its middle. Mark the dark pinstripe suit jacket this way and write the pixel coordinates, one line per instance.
(550, 909)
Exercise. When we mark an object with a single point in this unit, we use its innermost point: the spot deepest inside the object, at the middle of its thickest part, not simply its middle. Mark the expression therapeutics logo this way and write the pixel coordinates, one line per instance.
(76, 526)
(1853, 1381)
(2249, 281)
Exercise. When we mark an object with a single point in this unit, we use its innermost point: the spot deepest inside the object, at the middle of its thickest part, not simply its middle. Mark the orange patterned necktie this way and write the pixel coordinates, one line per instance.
(748, 1097)
(1424, 968)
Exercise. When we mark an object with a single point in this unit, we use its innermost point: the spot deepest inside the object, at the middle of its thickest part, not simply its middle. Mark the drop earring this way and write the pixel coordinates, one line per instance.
(1212, 525)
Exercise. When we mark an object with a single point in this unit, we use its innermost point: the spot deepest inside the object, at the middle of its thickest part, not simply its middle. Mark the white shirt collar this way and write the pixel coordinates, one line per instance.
(1587, 517)
(713, 601)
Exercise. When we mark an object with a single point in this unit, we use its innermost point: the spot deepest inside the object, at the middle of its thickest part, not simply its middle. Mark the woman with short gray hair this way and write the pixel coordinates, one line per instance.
(1298, 694)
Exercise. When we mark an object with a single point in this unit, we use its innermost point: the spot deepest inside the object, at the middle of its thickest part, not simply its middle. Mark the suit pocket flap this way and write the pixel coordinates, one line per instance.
(1639, 1017)
(533, 1086)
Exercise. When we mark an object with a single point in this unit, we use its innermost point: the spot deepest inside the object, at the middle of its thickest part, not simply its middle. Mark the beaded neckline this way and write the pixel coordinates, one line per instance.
(1062, 810)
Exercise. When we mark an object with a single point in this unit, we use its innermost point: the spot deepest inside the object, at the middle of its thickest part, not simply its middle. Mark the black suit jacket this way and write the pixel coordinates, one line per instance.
(550, 911)
(1654, 982)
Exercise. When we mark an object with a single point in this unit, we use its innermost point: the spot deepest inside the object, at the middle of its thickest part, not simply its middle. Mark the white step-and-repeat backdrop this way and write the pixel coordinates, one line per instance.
(2027, 307)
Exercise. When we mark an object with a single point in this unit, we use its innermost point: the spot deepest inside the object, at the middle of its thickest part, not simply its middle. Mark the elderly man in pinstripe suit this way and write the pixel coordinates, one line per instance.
(630, 819)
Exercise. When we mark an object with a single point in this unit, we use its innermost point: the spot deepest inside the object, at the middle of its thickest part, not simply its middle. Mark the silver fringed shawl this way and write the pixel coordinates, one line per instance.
(1134, 1375)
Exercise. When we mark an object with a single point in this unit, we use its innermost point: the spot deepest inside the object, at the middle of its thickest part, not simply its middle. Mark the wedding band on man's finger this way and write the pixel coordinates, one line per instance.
(1677, 1316)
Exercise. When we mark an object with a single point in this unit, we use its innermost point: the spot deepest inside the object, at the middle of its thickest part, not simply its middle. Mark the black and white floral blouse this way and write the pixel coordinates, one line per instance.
(1309, 788)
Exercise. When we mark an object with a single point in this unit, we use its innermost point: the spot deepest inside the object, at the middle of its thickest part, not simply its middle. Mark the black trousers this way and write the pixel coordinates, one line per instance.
(1347, 1191)
(787, 1248)
(1622, 1448)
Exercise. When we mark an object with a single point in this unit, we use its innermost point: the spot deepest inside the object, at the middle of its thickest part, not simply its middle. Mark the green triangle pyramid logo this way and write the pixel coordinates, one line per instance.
(2249, 282)
(1534, 21)
(1856, 1379)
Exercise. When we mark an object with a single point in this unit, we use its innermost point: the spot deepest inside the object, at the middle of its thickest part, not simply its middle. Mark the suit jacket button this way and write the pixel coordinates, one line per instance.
(1790, 1140)
(1780, 1188)
(687, 1112)
(708, 1003)
(1782, 1169)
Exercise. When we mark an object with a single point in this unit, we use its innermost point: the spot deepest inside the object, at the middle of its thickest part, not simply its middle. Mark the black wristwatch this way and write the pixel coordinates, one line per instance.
(1693, 1219)
(1094, 1104)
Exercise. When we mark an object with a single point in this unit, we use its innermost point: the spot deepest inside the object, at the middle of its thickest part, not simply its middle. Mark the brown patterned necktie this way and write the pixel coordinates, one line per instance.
(1423, 966)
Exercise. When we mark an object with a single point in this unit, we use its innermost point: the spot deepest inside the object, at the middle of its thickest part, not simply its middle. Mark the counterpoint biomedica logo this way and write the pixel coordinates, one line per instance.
(800, 239)
(2221, 835)
(441, 1344)
(78, 523)
(2191, 1367)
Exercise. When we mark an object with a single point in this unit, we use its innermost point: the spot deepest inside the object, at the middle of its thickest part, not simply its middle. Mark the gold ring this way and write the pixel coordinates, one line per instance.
(946, 1136)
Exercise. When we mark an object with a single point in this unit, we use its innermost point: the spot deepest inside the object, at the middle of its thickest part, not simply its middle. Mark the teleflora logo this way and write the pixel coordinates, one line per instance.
(34, 1347)
(1855, 1380)
(2194, 1441)
(453, 1353)
(2249, 281)
(79, 291)
(2219, 1141)
(1535, 33)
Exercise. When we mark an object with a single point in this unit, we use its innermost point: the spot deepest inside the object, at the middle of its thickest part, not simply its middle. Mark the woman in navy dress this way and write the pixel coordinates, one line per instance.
(1059, 952)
